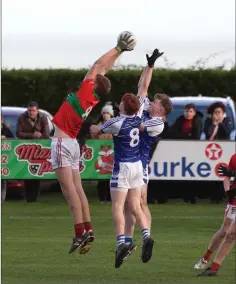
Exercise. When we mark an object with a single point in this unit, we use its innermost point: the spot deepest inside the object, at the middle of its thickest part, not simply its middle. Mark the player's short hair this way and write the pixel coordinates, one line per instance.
(165, 102)
(131, 103)
(189, 106)
(33, 104)
(102, 86)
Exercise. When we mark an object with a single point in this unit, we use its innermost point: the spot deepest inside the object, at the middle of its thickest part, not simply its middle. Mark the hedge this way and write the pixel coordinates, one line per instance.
(49, 87)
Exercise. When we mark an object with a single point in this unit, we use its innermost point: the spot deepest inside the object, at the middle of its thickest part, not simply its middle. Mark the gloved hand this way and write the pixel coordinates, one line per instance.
(125, 42)
(151, 60)
(224, 171)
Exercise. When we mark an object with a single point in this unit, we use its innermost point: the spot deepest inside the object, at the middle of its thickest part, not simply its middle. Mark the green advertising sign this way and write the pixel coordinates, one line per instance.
(30, 159)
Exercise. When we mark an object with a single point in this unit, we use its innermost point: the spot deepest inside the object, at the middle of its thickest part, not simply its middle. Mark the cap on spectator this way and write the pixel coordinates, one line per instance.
(188, 106)
(108, 109)
(215, 105)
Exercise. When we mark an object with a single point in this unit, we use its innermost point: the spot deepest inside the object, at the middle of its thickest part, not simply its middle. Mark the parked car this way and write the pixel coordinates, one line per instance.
(10, 116)
(202, 103)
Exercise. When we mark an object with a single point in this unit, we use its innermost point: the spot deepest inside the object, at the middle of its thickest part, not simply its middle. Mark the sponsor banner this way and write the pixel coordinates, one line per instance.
(190, 160)
(28, 159)
(172, 160)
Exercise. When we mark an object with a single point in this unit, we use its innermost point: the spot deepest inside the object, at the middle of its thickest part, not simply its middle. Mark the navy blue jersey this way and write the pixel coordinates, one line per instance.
(153, 126)
(125, 131)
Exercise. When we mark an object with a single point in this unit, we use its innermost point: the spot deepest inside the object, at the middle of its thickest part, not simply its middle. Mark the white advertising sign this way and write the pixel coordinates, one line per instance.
(190, 160)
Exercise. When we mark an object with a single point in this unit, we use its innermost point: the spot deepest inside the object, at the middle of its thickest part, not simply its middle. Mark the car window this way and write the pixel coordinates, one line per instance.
(10, 121)
(179, 110)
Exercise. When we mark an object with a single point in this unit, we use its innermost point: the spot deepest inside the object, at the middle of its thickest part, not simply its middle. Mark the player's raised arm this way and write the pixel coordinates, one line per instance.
(126, 42)
(146, 76)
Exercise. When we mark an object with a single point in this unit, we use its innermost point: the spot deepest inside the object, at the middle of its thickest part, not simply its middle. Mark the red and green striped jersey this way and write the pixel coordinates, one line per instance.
(232, 166)
(76, 108)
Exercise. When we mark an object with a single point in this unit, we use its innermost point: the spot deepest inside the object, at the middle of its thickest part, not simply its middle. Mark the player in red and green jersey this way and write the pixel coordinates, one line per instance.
(65, 151)
(225, 239)
(78, 105)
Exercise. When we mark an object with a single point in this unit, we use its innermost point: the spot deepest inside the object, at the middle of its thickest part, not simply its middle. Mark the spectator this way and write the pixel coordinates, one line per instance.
(106, 114)
(187, 126)
(217, 126)
(32, 124)
(104, 186)
(5, 133)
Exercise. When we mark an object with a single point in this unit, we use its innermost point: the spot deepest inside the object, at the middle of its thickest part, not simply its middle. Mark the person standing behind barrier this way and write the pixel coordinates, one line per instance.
(217, 126)
(104, 185)
(32, 124)
(187, 126)
(5, 133)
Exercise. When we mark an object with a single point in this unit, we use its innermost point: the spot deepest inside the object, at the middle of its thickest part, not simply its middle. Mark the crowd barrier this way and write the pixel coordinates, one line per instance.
(172, 160)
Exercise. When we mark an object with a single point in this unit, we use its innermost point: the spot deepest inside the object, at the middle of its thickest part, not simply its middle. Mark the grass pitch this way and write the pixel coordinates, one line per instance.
(36, 238)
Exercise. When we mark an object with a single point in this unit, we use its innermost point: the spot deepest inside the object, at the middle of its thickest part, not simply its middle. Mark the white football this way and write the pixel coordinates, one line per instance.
(132, 45)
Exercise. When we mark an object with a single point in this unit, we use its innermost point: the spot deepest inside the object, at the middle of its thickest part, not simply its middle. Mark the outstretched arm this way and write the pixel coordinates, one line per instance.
(106, 61)
(144, 82)
(103, 64)
(146, 76)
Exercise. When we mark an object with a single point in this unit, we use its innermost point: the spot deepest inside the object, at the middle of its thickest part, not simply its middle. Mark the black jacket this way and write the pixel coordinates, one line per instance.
(6, 131)
(224, 129)
(175, 131)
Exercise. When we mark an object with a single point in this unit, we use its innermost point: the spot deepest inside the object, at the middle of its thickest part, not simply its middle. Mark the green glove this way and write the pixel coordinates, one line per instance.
(125, 42)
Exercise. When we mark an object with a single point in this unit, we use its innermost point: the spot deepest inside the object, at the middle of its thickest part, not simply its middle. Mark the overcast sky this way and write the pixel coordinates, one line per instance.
(74, 33)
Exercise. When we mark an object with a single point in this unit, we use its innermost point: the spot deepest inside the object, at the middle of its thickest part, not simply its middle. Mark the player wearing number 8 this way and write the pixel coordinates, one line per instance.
(65, 151)
(127, 179)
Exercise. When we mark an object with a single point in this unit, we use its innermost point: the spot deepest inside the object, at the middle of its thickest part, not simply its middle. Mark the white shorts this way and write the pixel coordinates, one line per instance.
(230, 212)
(127, 176)
(65, 152)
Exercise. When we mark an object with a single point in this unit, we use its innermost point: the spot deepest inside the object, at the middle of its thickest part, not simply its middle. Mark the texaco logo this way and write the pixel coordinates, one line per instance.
(213, 151)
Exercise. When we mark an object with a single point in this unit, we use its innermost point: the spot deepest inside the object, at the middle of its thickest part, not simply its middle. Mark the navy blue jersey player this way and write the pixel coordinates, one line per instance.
(126, 180)
(152, 126)
(125, 130)
(127, 176)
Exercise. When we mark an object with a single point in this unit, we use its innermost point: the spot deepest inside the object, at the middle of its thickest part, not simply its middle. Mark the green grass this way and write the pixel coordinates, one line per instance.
(36, 237)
